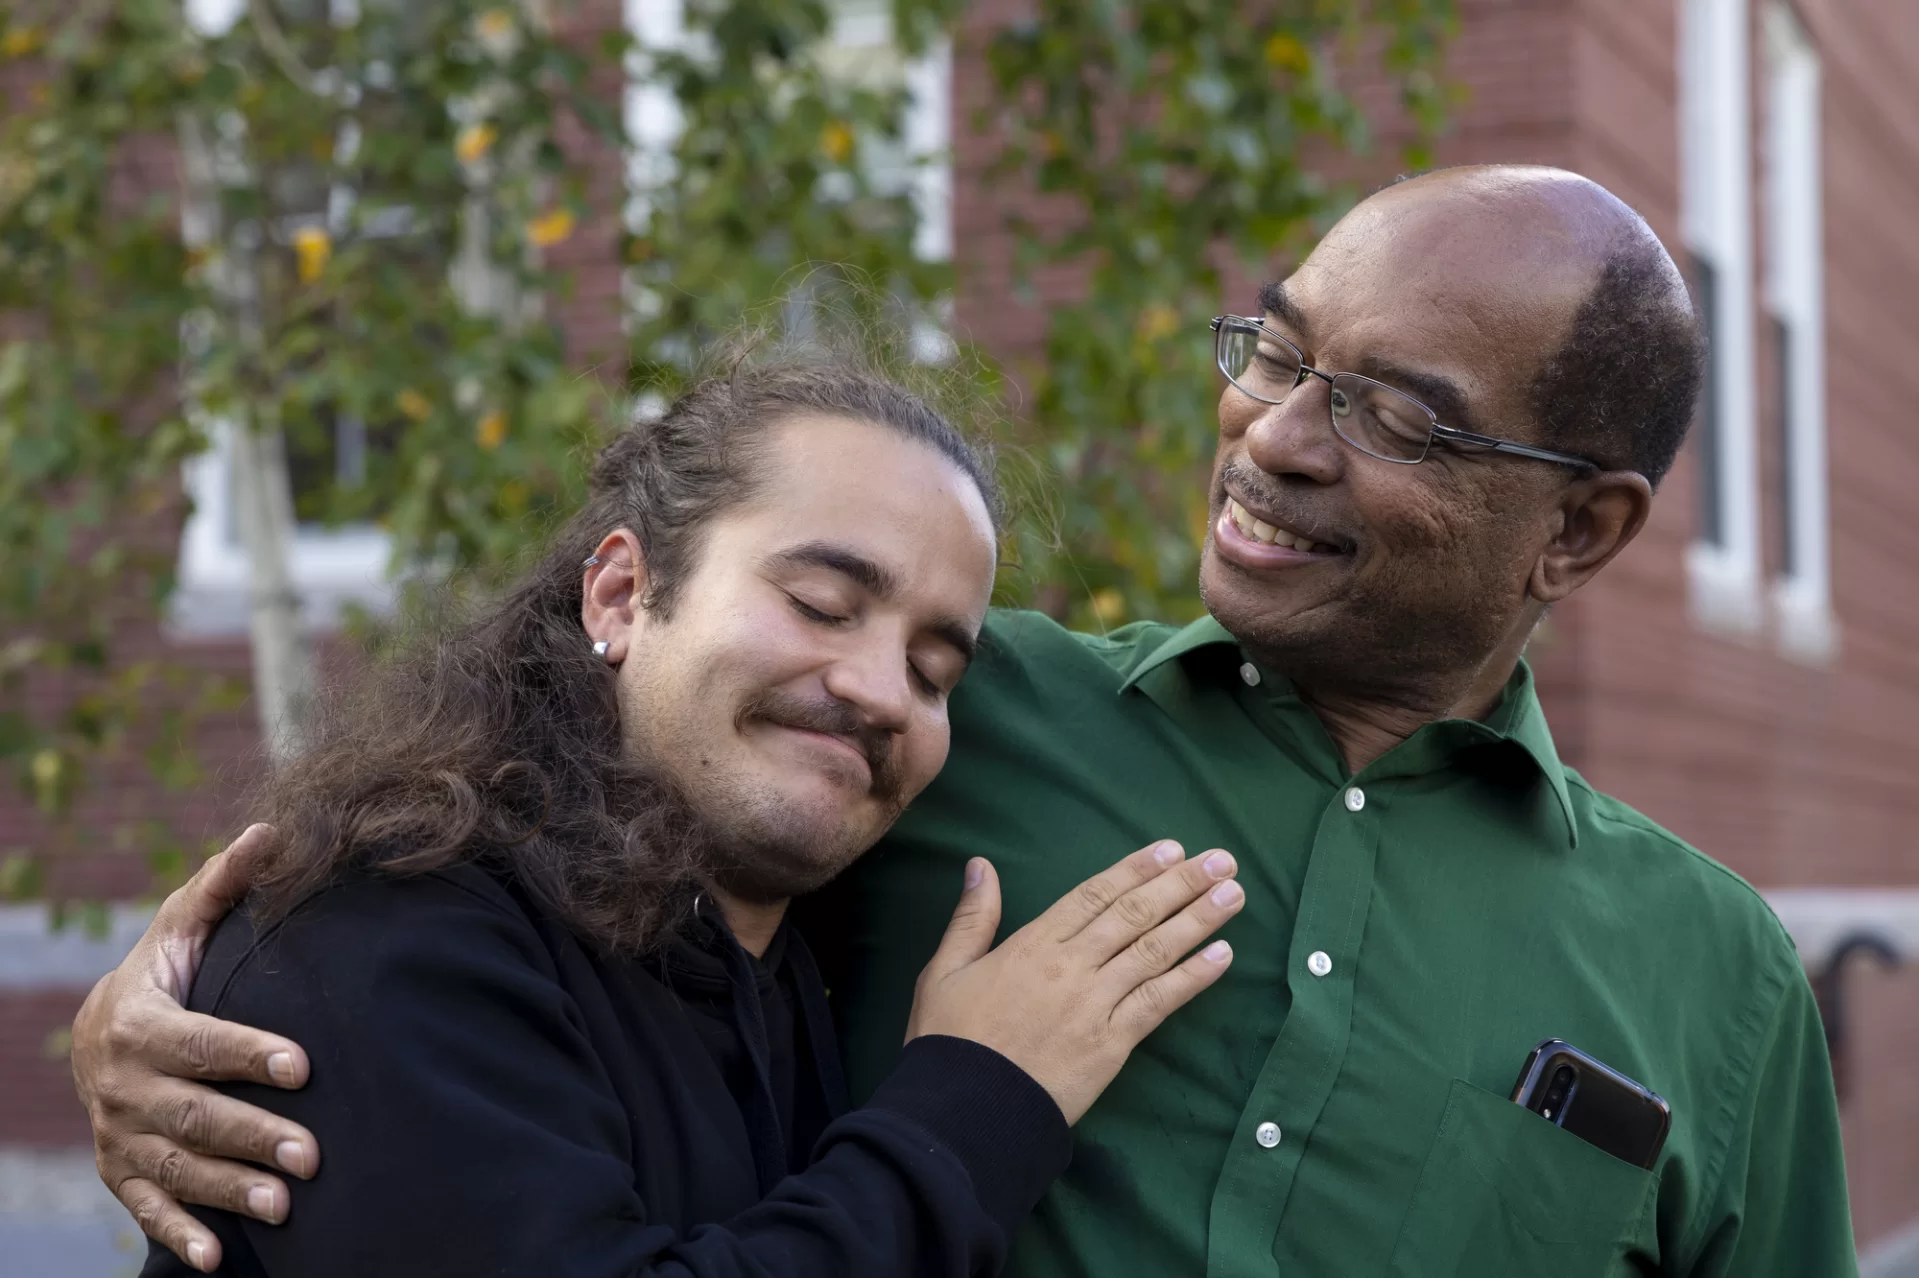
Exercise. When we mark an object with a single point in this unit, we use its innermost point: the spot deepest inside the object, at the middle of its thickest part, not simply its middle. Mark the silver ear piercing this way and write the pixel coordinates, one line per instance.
(599, 649)
(590, 561)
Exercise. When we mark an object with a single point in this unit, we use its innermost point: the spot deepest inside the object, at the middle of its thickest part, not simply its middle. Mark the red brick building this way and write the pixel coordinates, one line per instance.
(1742, 674)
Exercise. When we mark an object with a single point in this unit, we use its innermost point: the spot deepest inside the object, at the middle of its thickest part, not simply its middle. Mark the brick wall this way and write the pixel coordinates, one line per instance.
(1790, 773)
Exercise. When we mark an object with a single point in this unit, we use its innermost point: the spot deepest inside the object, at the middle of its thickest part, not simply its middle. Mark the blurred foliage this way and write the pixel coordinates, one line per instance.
(789, 174)
(396, 176)
(386, 180)
(1170, 141)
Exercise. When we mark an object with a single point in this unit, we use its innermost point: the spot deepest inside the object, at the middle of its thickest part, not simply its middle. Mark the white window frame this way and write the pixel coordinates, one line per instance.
(331, 568)
(1795, 297)
(653, 117)
(1715, 150)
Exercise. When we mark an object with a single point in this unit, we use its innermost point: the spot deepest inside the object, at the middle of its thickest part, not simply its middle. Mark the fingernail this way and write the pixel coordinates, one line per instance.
(1217, 952)
(291, 1155)
(1218, 864)
(975, 871)
(260, 1204)
(197, 1254)
(1168, 853)
(280, 1068)
(1227, 894)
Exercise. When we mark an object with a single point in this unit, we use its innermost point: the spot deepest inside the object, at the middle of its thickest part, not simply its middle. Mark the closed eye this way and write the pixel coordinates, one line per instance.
(813, 614)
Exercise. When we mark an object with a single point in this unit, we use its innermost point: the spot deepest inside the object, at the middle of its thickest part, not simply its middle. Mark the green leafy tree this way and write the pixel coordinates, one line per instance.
(358, 206)
(1179, 135)
(351, 227)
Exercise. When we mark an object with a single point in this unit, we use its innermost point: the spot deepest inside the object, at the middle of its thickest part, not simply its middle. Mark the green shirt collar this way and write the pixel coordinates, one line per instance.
(1517, 718)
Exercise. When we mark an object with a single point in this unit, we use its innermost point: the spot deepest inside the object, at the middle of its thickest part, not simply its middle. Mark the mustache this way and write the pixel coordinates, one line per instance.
(1259, 489)
(833, 717)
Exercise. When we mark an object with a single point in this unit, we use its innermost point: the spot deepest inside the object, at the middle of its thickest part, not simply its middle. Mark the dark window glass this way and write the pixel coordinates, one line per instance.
(1708, 431)
(1782, 354)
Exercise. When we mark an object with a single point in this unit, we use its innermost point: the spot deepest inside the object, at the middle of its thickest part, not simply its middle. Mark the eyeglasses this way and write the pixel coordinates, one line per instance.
(1371, 416)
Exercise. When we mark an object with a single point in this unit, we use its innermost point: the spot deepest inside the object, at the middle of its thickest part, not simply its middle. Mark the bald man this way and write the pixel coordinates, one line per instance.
(1454, 414)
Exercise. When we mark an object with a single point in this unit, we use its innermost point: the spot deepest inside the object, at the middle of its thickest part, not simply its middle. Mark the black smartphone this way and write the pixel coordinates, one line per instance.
(1594, 1102)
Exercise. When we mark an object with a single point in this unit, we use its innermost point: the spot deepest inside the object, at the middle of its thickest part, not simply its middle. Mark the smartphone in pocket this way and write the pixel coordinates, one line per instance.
(1594, 1102)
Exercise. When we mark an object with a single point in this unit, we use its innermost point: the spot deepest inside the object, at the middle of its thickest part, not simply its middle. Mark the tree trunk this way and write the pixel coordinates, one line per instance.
(262, 491)
(282, 655)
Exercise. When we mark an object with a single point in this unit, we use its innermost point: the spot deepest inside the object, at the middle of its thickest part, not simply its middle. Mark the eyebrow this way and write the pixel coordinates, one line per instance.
(875, 579)
(1275, 300)
(1435, 390)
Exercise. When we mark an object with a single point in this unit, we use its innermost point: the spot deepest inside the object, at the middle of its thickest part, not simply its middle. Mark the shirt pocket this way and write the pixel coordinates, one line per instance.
(1504, 1192)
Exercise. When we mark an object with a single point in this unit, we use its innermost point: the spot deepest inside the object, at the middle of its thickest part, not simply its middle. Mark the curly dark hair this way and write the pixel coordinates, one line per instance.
(492, 733)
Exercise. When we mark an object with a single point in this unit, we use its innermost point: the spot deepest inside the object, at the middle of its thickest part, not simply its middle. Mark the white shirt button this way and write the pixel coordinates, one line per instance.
(1267, 1134)
(1250, 673)
(1319, 962)
(1355, 798)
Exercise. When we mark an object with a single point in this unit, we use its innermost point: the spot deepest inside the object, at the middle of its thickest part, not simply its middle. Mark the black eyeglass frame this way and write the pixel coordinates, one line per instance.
(1436, 430)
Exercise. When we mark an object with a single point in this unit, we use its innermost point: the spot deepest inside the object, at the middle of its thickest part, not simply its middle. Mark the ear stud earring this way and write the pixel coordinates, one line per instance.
(599, 649)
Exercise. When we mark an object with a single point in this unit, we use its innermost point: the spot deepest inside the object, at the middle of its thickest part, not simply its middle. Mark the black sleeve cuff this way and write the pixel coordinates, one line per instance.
(1002, 1126)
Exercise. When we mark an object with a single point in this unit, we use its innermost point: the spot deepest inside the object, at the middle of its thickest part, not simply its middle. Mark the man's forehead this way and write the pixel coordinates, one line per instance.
(892, 501)
(1478, 240)
(1425, 283)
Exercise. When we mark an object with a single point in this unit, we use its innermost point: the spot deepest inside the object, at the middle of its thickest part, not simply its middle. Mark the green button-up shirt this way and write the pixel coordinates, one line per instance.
(1410, 933)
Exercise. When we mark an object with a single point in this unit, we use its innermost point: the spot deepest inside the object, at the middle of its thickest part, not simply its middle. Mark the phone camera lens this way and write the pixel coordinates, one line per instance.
(1557, 1092)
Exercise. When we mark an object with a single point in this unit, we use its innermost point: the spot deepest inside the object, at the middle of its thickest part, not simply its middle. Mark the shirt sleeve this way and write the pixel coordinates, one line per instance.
(1779, 1209)
(467, 1124)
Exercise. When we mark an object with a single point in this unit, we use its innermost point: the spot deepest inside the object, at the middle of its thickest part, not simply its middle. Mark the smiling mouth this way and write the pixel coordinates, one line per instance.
(831, 739)
(1256, 529)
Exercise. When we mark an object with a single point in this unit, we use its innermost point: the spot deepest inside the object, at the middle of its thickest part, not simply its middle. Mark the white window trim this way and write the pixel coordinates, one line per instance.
(331, 567)
(1716, 220)
(1795, 293)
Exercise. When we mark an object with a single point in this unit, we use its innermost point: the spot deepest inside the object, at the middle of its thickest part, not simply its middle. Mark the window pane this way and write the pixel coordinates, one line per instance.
(1707, 431)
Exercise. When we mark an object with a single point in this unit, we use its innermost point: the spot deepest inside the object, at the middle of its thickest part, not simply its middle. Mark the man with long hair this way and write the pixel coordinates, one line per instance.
(526, 904)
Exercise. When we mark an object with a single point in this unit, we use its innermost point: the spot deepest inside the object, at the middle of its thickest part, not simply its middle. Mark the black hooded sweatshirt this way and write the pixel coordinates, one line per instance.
(491, 1096)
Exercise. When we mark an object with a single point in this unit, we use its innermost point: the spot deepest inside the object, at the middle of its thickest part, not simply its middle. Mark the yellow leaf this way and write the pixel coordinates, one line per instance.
(312, 247)
(495, 24)
(46, 769)
(836, 139)
(1287, 53)
(474, 141)
(413, 404)
(1109, 605)
(1156, 322)
(552, 228)
(498, 34)
(491, 431)
(18, 42)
